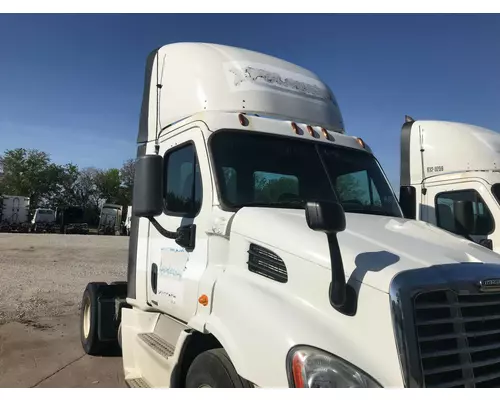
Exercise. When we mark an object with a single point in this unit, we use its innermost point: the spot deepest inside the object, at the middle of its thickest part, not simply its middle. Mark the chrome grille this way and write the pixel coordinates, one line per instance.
(458, 338)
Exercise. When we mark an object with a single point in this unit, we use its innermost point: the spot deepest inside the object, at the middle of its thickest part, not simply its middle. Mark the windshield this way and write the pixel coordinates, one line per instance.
(271, 171)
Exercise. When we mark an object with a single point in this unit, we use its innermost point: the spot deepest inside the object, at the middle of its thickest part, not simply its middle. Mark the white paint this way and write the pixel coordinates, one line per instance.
(470, 160)
(258, 320)
(171, 274)
(195, 77)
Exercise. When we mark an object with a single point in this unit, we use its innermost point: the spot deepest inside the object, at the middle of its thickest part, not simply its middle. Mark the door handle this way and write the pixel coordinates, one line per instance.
(154, 278)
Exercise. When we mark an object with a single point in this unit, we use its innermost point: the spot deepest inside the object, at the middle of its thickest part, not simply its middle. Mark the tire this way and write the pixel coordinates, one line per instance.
(89, 320)
(214, 369)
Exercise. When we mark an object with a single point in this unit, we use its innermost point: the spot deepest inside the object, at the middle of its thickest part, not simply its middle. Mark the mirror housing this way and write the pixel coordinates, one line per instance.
(328, 217)
(464, 217)
(408, 201)
(148, 186)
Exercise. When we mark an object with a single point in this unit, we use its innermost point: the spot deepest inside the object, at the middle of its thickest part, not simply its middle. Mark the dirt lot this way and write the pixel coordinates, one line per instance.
(42, 278)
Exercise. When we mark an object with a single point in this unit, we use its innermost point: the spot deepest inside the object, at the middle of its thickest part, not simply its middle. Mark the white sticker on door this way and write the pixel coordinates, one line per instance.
(170, 274)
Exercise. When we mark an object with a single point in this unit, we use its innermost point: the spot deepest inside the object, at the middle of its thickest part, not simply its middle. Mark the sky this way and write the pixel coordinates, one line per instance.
(71, 85)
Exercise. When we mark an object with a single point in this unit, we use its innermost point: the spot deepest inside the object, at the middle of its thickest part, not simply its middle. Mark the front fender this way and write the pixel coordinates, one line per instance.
(258, 321)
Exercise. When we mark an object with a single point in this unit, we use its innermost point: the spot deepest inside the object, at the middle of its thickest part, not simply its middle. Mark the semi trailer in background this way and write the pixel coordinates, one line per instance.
(14, 213)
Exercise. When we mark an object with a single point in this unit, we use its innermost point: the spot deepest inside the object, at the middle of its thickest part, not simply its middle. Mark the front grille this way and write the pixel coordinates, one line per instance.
(458, 338)
(265, 262)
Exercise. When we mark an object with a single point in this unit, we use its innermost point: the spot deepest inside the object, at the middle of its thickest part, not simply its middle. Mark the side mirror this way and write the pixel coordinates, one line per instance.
(464, 217)
(325, 217)
(408, 201)
(329, 217)
(148, 186)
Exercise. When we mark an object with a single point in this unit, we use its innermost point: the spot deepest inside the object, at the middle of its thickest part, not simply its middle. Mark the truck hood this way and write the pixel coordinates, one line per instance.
(374, 248)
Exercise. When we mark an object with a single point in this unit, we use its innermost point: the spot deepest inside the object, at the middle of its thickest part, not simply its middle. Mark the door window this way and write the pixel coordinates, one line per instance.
(182, 186)
(445, 202)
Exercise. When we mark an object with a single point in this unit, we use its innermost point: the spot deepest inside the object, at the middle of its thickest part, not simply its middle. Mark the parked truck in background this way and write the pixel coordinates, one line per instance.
(110, 221)
(14, 213)
(44, 221)
(128, 221)
(71, 220)
(450, 177)
(268, 249)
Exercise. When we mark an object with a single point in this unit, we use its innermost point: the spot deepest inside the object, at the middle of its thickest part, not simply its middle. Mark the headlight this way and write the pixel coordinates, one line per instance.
(313, 368)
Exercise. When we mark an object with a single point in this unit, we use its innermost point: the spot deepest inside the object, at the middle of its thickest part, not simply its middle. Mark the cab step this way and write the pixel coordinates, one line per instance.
(137, 383)
(159, 345)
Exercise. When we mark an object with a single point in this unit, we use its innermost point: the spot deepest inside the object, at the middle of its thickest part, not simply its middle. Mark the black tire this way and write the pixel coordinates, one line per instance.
(89, 322)
(214, 369)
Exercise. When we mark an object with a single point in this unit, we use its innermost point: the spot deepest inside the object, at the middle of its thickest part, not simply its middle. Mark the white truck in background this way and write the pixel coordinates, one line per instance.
(450, 177)
(44, 221)
(268, 249)
(14, 213)
(110, 220)
(128, 221)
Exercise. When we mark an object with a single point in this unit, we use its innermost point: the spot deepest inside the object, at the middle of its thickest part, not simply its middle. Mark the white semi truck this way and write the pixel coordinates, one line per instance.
(450, 177)
(44, 220)
(268, 249)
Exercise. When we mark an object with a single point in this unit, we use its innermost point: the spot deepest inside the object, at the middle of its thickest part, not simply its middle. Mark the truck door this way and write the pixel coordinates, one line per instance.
(174, 273)
(439, 205)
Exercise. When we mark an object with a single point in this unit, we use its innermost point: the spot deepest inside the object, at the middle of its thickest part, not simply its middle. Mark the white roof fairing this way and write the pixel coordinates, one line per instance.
(196, 77)
(451, 147)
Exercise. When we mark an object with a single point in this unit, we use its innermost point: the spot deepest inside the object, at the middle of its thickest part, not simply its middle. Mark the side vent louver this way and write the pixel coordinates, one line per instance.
(266, 263)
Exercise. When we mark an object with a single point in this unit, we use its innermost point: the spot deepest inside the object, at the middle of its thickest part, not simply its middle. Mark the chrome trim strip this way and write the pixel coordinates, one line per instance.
(460, 277)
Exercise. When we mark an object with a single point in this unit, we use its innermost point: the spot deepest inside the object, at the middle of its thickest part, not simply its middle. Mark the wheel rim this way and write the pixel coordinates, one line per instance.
(86, 320)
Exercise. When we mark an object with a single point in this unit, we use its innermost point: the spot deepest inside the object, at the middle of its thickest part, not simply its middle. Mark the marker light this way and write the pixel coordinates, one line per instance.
(326, 135)
(243, 120)
(295, 128)
(203, 300)
(310, 130)
(361, 143)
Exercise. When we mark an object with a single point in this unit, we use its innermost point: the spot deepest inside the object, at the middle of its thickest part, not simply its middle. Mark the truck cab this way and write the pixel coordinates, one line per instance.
(110, 220)
(450, 177)
(44, 220)
(268, 249)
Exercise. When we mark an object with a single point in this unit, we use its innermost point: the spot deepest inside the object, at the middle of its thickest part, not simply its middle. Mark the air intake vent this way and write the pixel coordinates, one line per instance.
(459, 338)
(266, 263)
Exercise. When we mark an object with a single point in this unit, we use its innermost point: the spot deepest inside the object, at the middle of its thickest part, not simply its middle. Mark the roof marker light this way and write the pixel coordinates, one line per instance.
(361, 143)
(243, 120)
(295, 128)
(325, 134)
(311, 131)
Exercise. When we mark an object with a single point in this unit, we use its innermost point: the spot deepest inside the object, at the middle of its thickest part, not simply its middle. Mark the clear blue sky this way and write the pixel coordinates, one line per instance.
(71, 85)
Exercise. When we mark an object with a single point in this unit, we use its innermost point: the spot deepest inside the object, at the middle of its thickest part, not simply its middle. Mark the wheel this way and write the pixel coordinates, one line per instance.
(89, 320)
(214, 369)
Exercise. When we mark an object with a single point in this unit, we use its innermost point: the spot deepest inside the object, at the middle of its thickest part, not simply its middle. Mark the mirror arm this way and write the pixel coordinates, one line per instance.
(338, 283)
(163, 231)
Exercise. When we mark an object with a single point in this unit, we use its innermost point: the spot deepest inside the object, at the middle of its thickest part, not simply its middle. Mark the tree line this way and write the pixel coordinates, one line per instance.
(31, 173)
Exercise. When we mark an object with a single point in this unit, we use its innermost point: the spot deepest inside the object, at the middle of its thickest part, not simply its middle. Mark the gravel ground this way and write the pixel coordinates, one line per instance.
(44, 275)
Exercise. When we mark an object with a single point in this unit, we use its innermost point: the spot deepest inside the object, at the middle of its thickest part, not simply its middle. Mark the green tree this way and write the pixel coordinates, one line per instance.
(127, 172)
(29, 173)
(107, 183)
